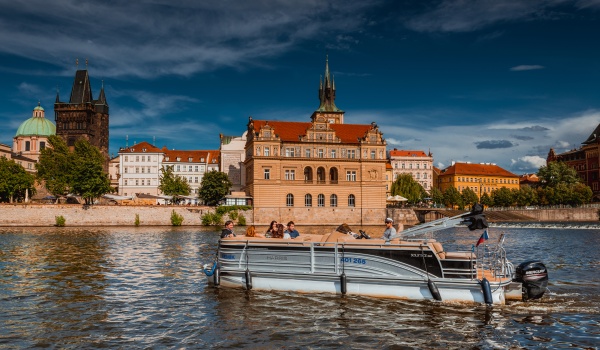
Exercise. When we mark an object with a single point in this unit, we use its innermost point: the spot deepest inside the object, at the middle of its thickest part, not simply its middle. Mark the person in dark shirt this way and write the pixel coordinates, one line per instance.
(272, 229)
(291, 231)
(228, 230)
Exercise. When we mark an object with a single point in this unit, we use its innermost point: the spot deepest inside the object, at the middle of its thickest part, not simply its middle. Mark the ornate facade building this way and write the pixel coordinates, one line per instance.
(416, 163)
(481, 178)
(317, 171)
(32, 136)
(82, 116)
(585, 160)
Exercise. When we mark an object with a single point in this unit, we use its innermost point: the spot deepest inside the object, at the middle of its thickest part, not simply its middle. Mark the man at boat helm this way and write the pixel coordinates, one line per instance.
(228, 230)
(390, 231)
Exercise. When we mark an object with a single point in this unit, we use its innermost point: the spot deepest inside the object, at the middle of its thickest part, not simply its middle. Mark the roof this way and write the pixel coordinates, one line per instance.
(198, 156)
(388, 165)
(140, 147)
(291, 131)
(82, 90)
(476, 169)
(406, 153)
(37, 125)
(593, 137)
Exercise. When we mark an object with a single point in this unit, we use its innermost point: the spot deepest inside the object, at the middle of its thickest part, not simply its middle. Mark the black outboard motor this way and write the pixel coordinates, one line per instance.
(534, 277)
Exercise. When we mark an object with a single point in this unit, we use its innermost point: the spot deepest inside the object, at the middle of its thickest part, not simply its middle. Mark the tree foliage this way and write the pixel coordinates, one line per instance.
(502, 197)
(436, 196)
(408, 188)
(215, 185)
(486, 200)
(172, 184)
(469, 197)
(557, 172)
(54, 167)
(525, 196)
(452, 197)
(14, 181)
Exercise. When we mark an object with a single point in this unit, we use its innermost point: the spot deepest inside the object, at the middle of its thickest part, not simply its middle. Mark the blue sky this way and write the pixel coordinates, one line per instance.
(497, 81)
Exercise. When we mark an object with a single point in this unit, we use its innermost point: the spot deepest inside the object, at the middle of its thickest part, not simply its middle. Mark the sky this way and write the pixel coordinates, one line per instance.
(495, 81)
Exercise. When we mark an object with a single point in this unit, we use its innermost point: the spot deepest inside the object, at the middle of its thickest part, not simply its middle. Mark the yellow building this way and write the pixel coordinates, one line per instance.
(322, 171)
(481, 178)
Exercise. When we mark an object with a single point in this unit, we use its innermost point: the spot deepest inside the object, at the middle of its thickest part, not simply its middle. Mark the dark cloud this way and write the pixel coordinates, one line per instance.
(492, 144)
(535, 128)
(522, 138)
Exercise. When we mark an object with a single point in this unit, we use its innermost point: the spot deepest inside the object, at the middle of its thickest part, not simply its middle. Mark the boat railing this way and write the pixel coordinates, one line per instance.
(493, 258)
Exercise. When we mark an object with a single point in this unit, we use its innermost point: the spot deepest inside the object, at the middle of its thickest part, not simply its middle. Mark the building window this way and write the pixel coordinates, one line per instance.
(177, 168)
(42, 145)
(289, 200)
(308, 200)
(333, 153)
(143, 170)
(196, 168)
(137, 182)
(267, 174)
(27, 146)
(308, 175)
(321, 200)
(137, 170)
(320, 153)
(289, 152)
(351, 200)
(125, 170)
(320, 175)
(290, 174)
(196, 179)
(267, 151)
(126, 158)
(333, 200)
(307, 153)
(351, 153)
(333, 176)
(351, 175)
(137, 158)
(373, 154)
(143, 158)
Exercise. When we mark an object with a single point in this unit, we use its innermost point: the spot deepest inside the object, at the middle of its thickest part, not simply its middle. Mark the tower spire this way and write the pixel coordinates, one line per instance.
(327, 91)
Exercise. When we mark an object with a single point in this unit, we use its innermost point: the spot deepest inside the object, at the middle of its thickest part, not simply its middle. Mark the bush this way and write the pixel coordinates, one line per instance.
(242, 220)
(137, 220)
(233, 215)
(213, 219)
(176, 219)
(227, 208)
(60, 221)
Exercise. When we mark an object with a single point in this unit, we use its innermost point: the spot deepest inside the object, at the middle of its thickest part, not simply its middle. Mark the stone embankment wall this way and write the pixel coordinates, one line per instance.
(558, 215)
(316, 216)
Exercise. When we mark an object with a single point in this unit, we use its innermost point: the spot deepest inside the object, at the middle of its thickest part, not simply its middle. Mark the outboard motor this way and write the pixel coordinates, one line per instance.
(534, 277)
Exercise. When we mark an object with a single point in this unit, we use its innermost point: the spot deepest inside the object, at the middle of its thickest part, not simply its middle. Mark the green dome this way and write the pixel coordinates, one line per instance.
(37, 125)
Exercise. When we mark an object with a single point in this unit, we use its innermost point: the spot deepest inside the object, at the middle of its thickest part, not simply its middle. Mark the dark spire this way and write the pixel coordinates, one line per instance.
(82, 90)
(327, 91)
(102, 97)
(57, 97)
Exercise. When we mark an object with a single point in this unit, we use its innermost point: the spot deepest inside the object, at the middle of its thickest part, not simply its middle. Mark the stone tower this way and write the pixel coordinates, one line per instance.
(327, 110)
(82, 116)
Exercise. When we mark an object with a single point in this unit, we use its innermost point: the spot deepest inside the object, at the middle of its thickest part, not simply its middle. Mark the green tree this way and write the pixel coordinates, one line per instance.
(88, 178)
(486, 200)
(525, 196)
(14, 180)
(436, 196)
(408, 188)
(557, 172)
(172, 184)
(469, 197)
(54, 167)
(215, 185)
(502, 197)
(580, 194)
(452, 197)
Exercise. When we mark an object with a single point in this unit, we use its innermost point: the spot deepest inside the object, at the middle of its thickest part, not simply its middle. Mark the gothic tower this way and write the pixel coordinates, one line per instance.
(327, 109)
(82, 116)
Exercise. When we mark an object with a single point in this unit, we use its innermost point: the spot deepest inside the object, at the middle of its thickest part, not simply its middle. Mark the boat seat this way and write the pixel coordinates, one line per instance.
(438, 249)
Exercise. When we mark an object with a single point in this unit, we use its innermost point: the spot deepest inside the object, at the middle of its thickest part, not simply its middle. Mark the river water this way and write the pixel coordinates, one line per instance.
(143, 288)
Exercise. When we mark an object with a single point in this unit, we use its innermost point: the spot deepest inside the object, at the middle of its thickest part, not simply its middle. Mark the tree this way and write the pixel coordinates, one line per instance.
(408, 188)
(502, 197)
(88, 178)
(436, 196)
(525, 196)
(557, 172)
(54, 167)
(452, 197)
(215, 185)
(14, 180)
(469, 197)
(486, 200)
(172, 184)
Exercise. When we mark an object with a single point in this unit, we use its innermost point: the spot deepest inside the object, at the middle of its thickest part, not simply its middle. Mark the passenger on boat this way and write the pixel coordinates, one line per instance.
(228, 230)
(390, 231)
(291, 232)
(279, 232)
(344, 228)
(272, 229)
(251, 232)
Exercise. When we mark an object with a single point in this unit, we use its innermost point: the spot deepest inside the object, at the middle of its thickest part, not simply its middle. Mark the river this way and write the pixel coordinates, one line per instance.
(127, 287)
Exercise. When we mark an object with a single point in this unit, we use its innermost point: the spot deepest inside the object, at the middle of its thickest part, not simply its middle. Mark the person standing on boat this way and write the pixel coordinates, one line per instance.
(228, 230)
(390, 231)
(291, 231)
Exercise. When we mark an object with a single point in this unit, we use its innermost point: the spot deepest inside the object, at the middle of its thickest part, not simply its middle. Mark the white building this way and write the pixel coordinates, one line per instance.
(232, 160)
(416, 163)
(139, 169)
(191, 165)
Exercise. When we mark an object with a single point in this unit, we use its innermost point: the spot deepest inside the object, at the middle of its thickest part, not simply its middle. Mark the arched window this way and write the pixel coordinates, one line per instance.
(321, 200)
(308, 200)
(320, 175)
(351, 201)
(333, 176)
(308, 175)
(27, 146)
(289, 200)
(333, 200)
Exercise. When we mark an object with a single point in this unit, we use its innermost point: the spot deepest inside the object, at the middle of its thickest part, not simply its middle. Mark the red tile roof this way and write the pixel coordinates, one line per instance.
(196, 155)
(138, 148)
(404, 153)
(291, 131)
(476, 169)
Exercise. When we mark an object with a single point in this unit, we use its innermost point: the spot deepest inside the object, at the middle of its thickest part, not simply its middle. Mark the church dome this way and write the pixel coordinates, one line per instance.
(37, 125)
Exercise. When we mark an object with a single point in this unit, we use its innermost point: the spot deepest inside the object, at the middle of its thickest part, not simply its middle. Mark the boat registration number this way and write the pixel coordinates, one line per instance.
(353, 260)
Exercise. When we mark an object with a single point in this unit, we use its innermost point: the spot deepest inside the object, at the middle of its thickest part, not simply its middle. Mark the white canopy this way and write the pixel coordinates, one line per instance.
(396, 198)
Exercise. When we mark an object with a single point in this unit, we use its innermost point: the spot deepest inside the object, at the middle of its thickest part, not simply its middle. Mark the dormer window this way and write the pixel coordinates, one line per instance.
(189, 159)
(166, 159)
(179, 159)
(202, 160)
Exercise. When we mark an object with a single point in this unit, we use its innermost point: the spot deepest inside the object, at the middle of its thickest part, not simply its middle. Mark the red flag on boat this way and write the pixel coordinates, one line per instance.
(484, 237)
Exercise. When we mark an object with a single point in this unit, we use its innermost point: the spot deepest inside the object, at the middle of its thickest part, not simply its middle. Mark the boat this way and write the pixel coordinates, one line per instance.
(409, 265)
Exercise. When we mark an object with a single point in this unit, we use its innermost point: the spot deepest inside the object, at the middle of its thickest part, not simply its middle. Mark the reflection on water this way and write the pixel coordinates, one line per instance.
(143, 287)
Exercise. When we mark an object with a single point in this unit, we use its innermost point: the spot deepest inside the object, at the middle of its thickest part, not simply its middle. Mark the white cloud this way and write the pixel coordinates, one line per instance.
(526, 163)
(525, 67)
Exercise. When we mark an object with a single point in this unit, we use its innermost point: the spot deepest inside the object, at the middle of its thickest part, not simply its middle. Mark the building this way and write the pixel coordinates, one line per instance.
(114, 173)
(416, 163)
(5, 151)
(191, 165)
(232, 160)
(585, 160)
(83, 117)
(481, 178)
(32, 135)
(530, 180)
(389, 176)
(140, 169)
(318, 171)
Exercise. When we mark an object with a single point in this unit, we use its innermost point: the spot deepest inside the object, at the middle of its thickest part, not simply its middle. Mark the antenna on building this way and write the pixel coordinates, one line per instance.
(126, 141)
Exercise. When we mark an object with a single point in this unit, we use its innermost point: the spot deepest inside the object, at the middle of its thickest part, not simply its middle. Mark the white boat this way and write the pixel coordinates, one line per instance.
(407, 267)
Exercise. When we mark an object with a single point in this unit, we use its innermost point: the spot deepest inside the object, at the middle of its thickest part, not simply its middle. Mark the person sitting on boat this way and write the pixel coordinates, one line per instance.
(228, 230)
(251, 232)
(291, 232)
(390, 231)
(272, 229)
(279, 232)
(344, 228)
